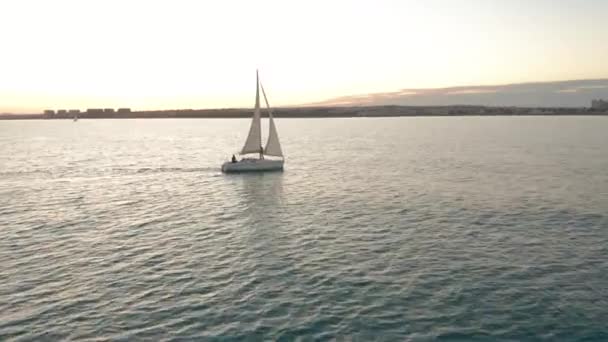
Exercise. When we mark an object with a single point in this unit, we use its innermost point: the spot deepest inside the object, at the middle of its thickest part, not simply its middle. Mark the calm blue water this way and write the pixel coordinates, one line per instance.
(379, 229)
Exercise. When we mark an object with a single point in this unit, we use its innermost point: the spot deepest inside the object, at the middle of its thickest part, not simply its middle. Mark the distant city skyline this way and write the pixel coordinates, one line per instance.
(564, 94)
(148, 55)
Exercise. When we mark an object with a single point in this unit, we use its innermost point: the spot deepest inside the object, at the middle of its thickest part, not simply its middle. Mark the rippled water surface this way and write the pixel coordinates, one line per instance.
(379, 229)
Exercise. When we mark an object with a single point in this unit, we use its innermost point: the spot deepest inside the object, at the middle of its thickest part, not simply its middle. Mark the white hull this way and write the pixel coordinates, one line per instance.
(253, 165)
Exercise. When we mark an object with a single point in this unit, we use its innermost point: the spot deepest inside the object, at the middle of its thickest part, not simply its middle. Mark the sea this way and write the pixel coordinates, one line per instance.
(379, 229)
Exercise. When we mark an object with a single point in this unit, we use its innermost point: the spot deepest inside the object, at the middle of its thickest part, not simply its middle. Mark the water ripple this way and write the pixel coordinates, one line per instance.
(476, 234)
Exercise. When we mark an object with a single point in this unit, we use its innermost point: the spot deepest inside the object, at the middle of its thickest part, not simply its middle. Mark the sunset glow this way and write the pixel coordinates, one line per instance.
(203, 54)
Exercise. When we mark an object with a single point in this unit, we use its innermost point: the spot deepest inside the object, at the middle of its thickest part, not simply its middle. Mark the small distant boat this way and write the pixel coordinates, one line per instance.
(253, 144)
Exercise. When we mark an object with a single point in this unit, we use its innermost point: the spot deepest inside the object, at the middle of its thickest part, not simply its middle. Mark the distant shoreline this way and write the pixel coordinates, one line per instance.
(322, 112)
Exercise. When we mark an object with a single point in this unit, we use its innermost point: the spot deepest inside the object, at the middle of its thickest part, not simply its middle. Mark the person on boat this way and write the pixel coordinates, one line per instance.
(233, 159)
(261, 152)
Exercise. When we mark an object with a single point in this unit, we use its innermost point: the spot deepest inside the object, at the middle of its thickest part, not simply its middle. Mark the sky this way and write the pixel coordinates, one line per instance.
(179, 54)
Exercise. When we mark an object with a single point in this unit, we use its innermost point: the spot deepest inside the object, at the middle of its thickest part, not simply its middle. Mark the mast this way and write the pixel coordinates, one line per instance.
(257, 108)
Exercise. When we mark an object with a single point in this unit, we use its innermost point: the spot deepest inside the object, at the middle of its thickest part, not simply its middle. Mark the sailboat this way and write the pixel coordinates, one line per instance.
(253, 144)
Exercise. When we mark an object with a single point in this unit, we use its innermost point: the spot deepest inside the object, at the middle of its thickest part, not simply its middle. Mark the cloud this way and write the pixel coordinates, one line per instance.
(583, 88)
(471, 91)
(576, 93)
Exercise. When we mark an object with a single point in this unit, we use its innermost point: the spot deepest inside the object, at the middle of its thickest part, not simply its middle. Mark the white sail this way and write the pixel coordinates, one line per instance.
(254, 140)
(273, 146)
(253, 143)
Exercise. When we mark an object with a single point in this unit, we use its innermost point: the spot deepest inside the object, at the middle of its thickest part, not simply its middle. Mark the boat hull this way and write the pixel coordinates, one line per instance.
(253, 165)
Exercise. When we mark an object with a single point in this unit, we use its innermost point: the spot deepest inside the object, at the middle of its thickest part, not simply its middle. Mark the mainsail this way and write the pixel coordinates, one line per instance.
(253, 144)
(273, 147)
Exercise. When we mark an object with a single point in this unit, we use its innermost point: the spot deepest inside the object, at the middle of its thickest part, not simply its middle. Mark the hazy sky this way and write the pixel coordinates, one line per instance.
(197, 54)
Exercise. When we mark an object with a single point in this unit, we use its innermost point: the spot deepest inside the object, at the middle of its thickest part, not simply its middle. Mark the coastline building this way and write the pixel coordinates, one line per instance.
(599, 104)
